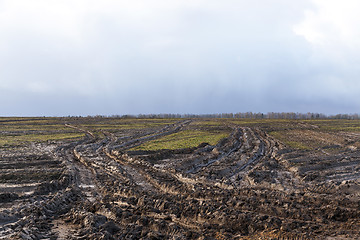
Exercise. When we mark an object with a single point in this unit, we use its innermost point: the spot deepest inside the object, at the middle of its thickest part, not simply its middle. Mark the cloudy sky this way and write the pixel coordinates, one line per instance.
(87, 57)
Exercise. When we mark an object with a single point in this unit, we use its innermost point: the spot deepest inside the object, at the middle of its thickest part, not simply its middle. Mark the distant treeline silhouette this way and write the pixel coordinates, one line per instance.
(249, 115)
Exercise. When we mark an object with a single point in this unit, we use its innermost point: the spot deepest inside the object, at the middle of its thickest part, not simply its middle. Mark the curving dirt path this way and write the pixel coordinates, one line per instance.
(247, 186)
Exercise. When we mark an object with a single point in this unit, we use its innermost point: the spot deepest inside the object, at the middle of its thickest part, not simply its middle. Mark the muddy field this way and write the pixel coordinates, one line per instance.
(108, 178)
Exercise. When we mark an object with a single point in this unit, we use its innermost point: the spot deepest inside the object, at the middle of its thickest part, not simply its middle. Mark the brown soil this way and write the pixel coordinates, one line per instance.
(248, 186)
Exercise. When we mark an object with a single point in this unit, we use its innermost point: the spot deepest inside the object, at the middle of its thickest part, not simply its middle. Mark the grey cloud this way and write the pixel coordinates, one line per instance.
(197, 57)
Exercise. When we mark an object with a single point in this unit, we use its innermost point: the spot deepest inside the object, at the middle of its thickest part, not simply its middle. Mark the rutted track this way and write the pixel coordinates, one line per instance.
(245, 186)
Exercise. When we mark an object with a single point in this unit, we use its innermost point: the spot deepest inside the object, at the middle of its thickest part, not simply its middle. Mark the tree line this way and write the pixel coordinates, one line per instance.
(249, 115)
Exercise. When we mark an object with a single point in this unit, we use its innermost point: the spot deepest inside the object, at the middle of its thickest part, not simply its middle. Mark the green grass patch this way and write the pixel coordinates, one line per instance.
(246, 121)
(267, 124)
(209, 123)
(125, 126)
(16, 140)
(334, 125)
(282, 136)
(30, 127)
(30, 121)
(297, 145)
(184, 139)
(340, 128)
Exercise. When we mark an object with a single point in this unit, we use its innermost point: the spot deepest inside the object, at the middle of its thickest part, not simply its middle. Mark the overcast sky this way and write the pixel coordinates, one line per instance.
(87, 57)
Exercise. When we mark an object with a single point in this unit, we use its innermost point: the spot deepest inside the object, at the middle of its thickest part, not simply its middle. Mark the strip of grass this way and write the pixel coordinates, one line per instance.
(297, 145)
(16, 140)
(184, 139)
(22, 127)
(209, 123)
(340, 128)
(281, 135)
(30, 121)
(125, 126)
(335, 125)
(257, 121)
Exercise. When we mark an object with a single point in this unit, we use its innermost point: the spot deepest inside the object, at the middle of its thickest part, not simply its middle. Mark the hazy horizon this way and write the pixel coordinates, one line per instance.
(60, 58)
(242, 115)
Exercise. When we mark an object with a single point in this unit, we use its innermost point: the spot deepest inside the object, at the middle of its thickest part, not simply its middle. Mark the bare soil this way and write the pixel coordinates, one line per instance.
(248, 186)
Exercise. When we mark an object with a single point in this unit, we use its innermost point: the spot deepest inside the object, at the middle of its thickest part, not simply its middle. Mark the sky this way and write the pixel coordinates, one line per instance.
(108, 57)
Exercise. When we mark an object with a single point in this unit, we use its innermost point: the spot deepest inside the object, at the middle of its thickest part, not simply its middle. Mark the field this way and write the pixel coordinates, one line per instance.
(122, 178)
